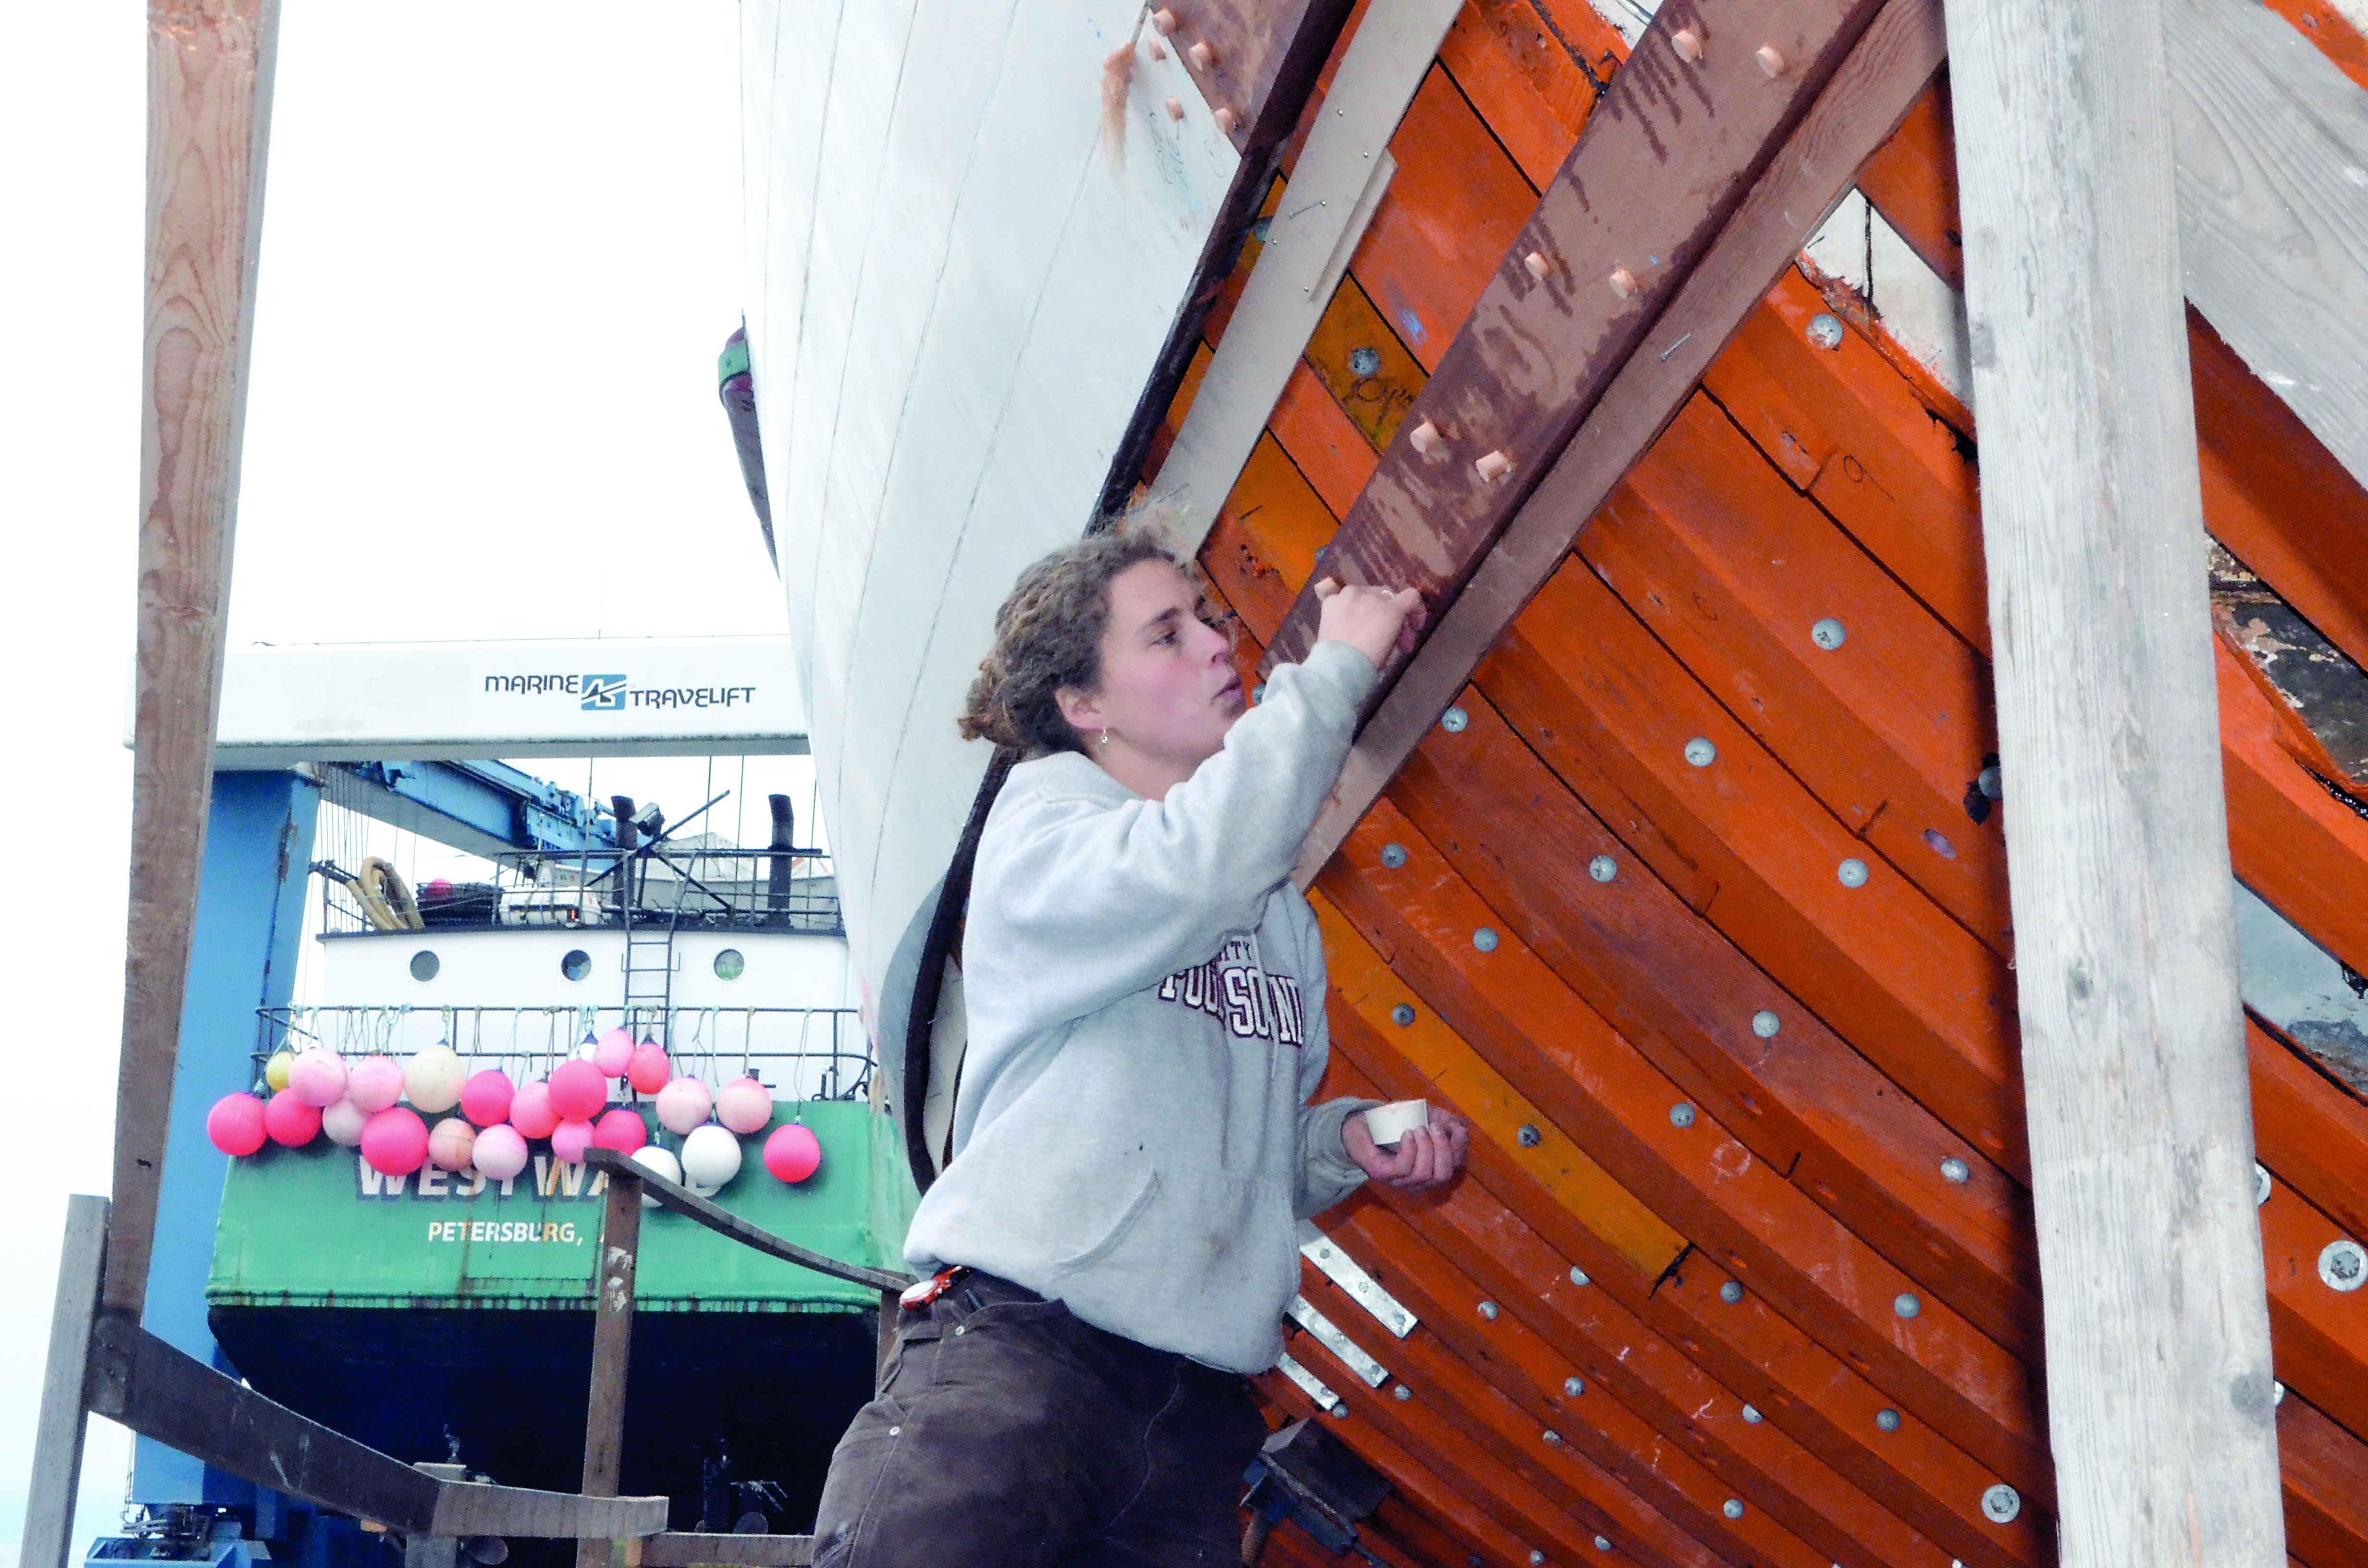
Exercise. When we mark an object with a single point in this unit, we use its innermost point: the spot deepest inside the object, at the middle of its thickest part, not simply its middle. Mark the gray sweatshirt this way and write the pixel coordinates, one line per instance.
(1145, 996)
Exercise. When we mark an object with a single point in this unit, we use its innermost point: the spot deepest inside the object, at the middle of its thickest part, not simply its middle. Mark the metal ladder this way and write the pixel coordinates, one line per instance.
(649, 944)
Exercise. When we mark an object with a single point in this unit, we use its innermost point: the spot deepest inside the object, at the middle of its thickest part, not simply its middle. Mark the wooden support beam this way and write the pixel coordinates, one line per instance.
(2160, 1394)
(57, 1439)
(1881, 79)
(682, 1201)
(614, 1263)
(162, 1392)
(1339, 177)
(2271, 137)
(1676, 146)
(209, 117)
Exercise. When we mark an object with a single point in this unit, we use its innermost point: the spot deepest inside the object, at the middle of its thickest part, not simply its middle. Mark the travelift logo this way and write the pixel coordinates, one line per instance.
(604, 694)
(615, 693)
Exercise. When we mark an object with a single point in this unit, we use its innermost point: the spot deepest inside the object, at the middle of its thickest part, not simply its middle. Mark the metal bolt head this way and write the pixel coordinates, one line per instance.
(1454, 721)
(1955, 1172)
(1853, 872)
(1701, 752)
(1485, 939)
(1364, 361)
(2000, 1504)
(1394, 856)
(1887, 1419)
(2343, 1265)
(1828, 634)
(1992, 783)
(1751, 1416)
(1731, 1292)
(1681, 1114)
(1488, 1311)
(1258, 694)
(1826, 330)
(1574, 1387)
(1402, 1015)
(1732, 1507)
(2261, 1183)
(1906, 1304)
(1341, 1411)
(1603, 868)
(1602, 1543)
(1578, 1276)
(1765, 1024)
(1551, 1437)
(1529, 1136)
(1404, 1393)
(1537, 1558)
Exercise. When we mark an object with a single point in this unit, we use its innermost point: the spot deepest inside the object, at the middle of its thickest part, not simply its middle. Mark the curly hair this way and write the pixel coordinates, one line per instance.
(1048, 636)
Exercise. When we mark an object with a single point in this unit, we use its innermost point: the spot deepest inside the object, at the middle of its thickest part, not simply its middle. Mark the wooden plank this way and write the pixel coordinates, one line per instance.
(682, 1201)
(2159, 1383)
(57, 1439)
(2273, 235)
(166, 1393)
(1873, 89)
(1264, 59)
(1341, 172)
(615, 1261)
(2326, 1486)
(1674, 150)
(208, 121)
(680, 1549)
(1535, 72)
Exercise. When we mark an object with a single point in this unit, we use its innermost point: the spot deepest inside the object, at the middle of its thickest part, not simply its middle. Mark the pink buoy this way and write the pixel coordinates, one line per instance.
(343, 1122)
(485, 1098)
(745, 1106)
(395, 1142)
(613, 1053)
(373, 1084)
(792, 1153)
(578, 1092)
(318, 1074)
(649, 1069)
(501, 1153)
(290, 1121)
(236, 1124)
(571, 1138)
(532, 1112)
(452, 1144)
(683, 1105)
(620, 1129)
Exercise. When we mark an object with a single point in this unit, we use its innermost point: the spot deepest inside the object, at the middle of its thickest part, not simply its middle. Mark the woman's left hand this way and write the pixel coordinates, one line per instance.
(1426, 1159)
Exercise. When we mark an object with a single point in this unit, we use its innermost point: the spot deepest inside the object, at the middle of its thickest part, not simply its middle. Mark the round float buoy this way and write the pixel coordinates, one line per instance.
(395, 1142)
(649, 1069)
(318, 1074)
(620, 1129)
(374, 1082)
(432, 1079)
(792, 1153)
(289, 1120)
(711, 1158)
(236, 1124)
(531, 1111)
(684, 1105)
(485, 1098)
(578, 1091)
(745, 1106)
(501, 1153)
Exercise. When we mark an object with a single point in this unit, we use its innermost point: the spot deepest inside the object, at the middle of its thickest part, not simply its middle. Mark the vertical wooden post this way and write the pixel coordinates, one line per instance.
(2158, 1381)
(612, 1343)
(57, 1440)
(210, 65)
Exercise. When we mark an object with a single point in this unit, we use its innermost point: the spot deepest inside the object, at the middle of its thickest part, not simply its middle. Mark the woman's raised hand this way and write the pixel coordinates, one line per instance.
(1376, 622)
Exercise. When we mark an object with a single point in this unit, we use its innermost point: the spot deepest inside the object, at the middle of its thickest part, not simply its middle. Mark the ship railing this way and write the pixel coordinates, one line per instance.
(704, 889)
(799, 1053)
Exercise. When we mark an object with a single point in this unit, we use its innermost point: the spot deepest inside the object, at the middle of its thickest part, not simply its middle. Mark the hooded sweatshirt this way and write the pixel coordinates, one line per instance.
(1144, 998)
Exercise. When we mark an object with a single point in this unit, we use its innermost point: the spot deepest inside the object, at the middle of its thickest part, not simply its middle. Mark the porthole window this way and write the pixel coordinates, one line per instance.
(576, 964)
(729, 964)
(424, 965)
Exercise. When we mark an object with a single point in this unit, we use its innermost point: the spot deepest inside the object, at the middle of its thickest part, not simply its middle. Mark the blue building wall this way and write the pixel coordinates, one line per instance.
(250, 921)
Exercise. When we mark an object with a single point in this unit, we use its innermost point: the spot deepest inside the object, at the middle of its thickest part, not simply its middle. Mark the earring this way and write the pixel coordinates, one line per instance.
(1105, 740)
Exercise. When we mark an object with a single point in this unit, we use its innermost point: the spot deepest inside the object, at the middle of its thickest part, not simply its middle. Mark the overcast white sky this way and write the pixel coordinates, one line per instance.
(501, 252)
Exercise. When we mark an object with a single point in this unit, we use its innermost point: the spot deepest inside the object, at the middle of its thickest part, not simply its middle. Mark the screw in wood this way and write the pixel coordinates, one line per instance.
(1574, 1387)
(1538, 265)
(1603, 868)
(1732, 1507)
(1493, 466)
(1731, 1292)
(1402, 1015)
(1424, 439)
(1887, 1419)
(1771, 60)
(1578, 1276)
(1681, 1114)
(1488, 1311)
(1175, 109)
(1603, 1543)
(1485, 939)
(1163, 19)
(1851, 873)
(1906, 1305)
(1403, 1392)
(1688, 43)
(1551, 1438)
(1955, 1172)
(1225, 121)
(1200, 55)
(1454, 721)
(1623, 282)
(1751, 1416)
(1765, 1024)
(2001, 1504)
(1701, 750)
(1394, 856)
(1529, 1137)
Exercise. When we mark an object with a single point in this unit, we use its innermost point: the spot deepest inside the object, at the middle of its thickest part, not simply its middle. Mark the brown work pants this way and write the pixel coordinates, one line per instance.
(1009, 1435)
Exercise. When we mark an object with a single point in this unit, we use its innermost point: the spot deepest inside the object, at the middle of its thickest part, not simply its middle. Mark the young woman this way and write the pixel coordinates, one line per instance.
(1112, 1244)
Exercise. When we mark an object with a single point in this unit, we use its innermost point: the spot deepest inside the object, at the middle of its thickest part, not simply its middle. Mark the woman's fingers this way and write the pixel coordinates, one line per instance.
(1328, 587)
